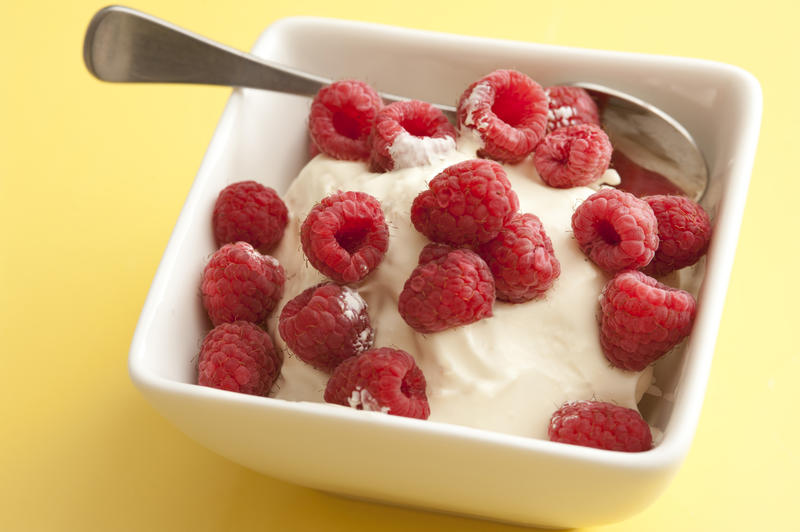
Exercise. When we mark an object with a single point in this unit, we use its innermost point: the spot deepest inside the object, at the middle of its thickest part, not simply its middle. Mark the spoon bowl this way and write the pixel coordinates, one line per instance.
(653, 153)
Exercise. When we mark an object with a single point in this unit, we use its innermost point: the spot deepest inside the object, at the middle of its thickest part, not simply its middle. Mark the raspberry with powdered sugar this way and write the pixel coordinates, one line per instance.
(570, 106)
(380, 380)
(507, 111)
(326, 324)
(410, 133)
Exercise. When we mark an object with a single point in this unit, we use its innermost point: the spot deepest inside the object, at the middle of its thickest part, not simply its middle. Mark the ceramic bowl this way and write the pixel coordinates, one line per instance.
(262, 135)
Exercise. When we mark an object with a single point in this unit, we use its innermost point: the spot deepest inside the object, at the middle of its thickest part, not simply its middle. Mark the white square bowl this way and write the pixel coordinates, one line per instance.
(262, 136)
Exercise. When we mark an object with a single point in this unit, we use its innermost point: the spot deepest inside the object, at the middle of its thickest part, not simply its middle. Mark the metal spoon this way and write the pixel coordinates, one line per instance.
(651, 149)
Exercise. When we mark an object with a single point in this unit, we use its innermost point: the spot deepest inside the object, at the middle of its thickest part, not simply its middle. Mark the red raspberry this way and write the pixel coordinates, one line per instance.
(573, 156)
(600, 425)
(384, 380)
(641, 319)
(466, 204)
(326, 324)
(238, 357)
(342, 115)
(508, 111)
(616, 230)
(522, 259)
(454, 289)
(239, 283)
(250, 212)
(570, 106)
(684, 232)
(345, 236)
(410, 133)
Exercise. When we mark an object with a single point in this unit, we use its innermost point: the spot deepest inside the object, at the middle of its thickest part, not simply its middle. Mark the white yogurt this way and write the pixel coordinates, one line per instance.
(507, 373)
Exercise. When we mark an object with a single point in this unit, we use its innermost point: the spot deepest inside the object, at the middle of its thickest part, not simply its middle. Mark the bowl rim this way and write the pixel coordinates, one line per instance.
(683, 420)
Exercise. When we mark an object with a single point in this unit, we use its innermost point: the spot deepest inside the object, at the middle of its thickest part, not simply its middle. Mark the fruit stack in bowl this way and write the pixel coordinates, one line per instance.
(487, 274)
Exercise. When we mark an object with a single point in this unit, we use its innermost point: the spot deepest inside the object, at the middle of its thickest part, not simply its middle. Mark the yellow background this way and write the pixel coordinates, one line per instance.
(93, 176)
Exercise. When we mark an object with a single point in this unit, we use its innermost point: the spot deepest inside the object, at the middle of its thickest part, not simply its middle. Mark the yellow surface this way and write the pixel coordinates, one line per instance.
(93, 176)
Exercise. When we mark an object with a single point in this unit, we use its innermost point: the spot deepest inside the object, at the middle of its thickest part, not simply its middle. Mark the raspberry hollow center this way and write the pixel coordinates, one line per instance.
(417, 127)
(607, 232)
(510, 107)
(346, 125)
(352, 237)
(405, 387)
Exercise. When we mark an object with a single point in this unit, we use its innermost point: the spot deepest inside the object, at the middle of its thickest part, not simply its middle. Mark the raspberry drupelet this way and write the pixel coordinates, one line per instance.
(341, 118)
(326, 324)
(456, 288)
(239, 283)
(600, 425)
(466, 204)
(616, 230)
(383, 380)
(251, 212)
(410, 133)
(508, 112)
(238, 357)
(345, 236)
(641, 319)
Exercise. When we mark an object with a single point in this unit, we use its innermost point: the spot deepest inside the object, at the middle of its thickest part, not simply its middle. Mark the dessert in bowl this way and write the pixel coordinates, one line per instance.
(493, 472)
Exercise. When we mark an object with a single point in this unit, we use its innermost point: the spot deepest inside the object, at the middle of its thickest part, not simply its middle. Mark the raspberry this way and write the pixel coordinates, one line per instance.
(684, 232)
(384, 380)
(250, 212)
(570, 106)
(451, 290)
(508, 111)
(239, 283)
(600, 425)
(522, 259)
(410, 133)
(238, 357)
(342, 115)
(616, 230)
(326, 324)
(573, 156)
(641, 319)
(345, 236)
(466, 204)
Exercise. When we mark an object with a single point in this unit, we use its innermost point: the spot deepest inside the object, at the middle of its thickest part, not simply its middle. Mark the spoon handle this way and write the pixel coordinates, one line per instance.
(125, 45)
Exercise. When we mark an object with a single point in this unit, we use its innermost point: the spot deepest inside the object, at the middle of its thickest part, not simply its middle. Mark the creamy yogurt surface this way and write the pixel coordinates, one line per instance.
(507, 373)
